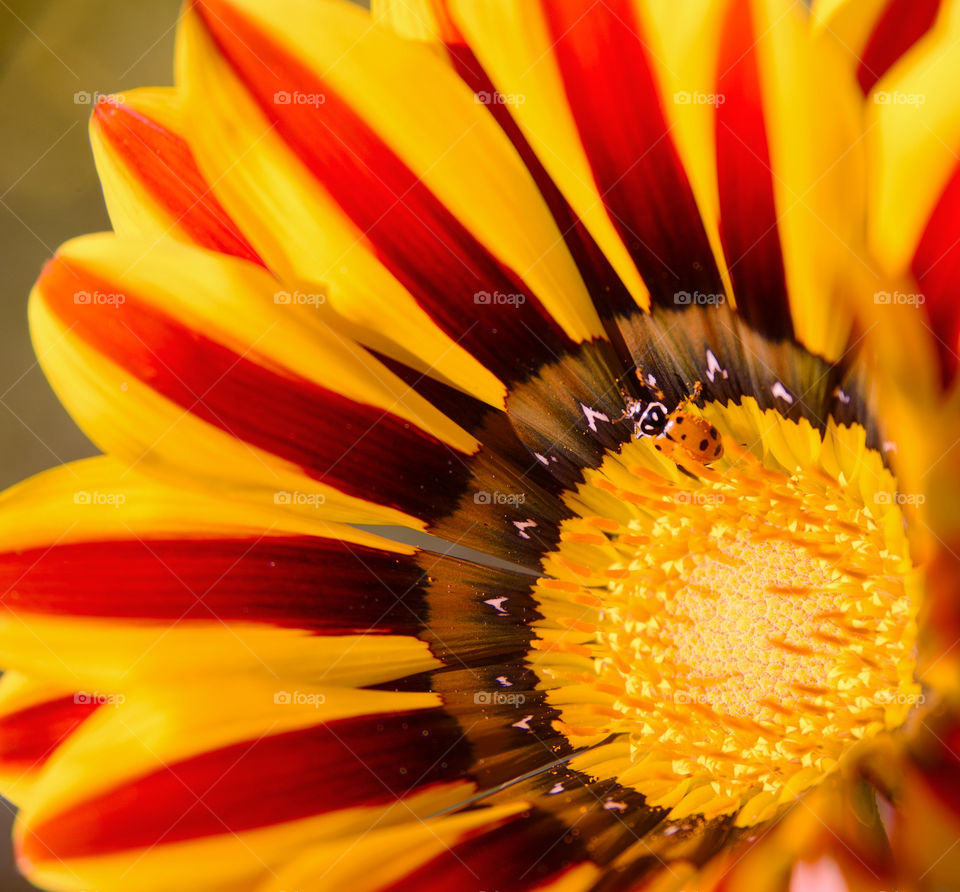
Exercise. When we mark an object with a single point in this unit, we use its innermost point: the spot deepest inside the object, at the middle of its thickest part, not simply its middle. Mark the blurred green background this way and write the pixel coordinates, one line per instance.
(50, 51)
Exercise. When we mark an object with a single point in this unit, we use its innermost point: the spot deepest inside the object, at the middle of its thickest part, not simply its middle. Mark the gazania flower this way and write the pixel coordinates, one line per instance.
(649, 311)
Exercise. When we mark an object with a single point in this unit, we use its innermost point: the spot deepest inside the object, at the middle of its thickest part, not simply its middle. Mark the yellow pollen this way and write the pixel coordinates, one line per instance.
(736, 632)
(735, 618)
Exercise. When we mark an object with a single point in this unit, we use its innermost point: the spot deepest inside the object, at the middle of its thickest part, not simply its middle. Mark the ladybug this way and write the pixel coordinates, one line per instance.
(688, 436)
(678, 434)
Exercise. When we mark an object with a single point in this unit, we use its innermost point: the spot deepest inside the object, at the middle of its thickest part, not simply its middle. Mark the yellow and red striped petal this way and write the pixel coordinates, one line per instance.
(799, 159)
(936, 267)
(36, 717)
(167, 583)
(875, 34)
(914, 129)
(151, 184)
(426, 20)
(243, 778)
(913, 136)
(240, 777)
(270, 402)
(268, 397)
(586, 97)
(134, 581)
(514, 858)
(682, 83)
(748, 213)
(395, 202)
(397, 857)
(656, 153)
(431, 22)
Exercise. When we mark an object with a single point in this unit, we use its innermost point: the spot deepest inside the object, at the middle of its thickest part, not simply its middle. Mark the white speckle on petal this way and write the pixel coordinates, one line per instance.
(592, 417)
(523, 525)
(713, 366)
(778, 390)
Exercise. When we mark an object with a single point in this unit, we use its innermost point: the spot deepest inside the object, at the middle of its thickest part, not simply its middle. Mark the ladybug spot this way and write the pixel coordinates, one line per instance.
(718, 450)
(713, 432)
(683, 436)
(703, 445)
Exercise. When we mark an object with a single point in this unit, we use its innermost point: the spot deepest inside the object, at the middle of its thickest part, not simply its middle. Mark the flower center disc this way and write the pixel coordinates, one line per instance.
(738, 631)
